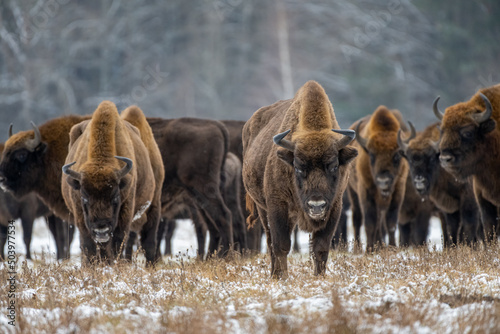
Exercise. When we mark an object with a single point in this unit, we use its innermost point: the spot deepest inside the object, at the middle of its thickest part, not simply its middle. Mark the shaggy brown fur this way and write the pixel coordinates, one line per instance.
(106, 202)
(312, 195)
(465, 143)
(25, 169)
(193, 152)
(377, 184)
(455, 199)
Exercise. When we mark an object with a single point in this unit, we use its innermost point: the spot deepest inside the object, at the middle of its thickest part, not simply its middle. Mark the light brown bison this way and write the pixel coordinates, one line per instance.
(378, 182)
(454, 198)
(32, 161)
(299, 180)
(106, 198)
(470, 147)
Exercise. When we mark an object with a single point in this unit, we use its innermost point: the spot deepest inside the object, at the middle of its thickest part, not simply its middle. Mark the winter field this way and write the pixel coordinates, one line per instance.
(425, 290)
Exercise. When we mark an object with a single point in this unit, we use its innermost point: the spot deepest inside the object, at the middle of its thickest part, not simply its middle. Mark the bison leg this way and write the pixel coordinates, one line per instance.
(340, 236)
(469, 221)
(420, 227)
(405, 234)
(281, 243)
(62, 234)
(357, 218)
(371, 221)
(200, 225)
(296, 247)
(27, 224)
(170, 226)
(149, 233)
(392, 222)
(3, 240)
(216, 211)
(88, 248)
(452, 226)
(489, 214)
(320, 244)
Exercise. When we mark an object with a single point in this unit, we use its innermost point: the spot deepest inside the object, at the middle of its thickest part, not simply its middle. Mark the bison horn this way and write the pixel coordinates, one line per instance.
(485, 115)
(10, 129)
(362, 141)
(124, 171)
(403, 144)
(37, 140)
(66, 170)
(280, 141)
(349, 136)
(436, 110)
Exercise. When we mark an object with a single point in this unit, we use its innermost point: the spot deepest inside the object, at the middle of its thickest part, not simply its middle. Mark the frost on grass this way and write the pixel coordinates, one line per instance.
(394, 291)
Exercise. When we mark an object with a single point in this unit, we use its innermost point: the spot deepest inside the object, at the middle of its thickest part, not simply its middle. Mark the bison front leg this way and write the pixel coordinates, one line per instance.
(280, 232)
(489, 214)
(370, 218)
(320, 244)
(88, 248)
(149, 233)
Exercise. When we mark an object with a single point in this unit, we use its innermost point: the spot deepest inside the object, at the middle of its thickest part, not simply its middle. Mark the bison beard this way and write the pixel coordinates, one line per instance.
(299, 180)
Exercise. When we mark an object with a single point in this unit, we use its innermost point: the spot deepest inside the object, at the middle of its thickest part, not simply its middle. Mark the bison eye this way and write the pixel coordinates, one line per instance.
(334, 168)
(115, 200)
(85, 201)
(467, 134)
(21, 156)
(298, 171)
(396, 158)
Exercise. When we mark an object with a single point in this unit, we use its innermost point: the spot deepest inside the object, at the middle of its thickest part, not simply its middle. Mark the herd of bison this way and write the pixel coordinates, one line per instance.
(123, 179)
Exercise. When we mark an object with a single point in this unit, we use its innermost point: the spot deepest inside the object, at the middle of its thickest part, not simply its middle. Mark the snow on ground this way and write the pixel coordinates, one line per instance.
(358, 294)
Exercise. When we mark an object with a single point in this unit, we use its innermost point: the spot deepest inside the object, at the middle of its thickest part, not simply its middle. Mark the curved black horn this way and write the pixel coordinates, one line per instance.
(349, 136)
(124, 171)
(66, 170)
(280, 141)
(436, 110)
(362, 141)
(10, 129)
(485, 115)
(403, 144)
(36, 140)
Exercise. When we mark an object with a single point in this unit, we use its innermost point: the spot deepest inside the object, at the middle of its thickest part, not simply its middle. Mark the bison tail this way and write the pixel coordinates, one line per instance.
(252, 210)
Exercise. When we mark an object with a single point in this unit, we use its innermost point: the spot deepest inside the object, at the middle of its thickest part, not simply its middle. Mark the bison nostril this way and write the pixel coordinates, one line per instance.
(317, 204)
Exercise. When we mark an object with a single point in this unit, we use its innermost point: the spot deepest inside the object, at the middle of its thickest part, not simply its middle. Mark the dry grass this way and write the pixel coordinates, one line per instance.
(393, 291)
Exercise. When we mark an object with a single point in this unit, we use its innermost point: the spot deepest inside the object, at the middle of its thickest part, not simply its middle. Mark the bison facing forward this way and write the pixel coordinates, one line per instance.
(299, 180)
(110, 187)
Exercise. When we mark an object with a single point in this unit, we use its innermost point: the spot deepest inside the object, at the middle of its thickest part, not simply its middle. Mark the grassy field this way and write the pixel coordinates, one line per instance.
(393, 291)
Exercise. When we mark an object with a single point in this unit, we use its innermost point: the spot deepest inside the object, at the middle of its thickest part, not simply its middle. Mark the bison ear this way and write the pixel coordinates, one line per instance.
(74, 183)
(285, 155)
(487, 126)
(347, 154)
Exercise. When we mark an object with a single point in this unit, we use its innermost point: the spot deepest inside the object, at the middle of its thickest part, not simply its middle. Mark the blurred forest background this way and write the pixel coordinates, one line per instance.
(224, 59)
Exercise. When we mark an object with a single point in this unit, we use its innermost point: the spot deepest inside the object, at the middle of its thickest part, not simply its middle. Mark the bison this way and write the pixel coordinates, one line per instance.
(32, 161)
(194, 151)
(378, 182)
(299, 180)
(469, 148)
(454, 198)
(114, 175)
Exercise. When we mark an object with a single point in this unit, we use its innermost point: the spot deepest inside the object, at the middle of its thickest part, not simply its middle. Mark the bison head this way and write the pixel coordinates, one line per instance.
(100, 191)
(319, 161)
(22, 159)
(384, 157)
(422, 155)
(465, 127)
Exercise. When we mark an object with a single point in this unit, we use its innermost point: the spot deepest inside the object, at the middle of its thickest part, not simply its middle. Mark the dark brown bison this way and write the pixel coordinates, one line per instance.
(299, 180)
(32, 161)
(113, 182)
(414, 217)
(254, 233)
(378, 182)
(454, 198)
(193, 152)
(469, 147)
(230, 192)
